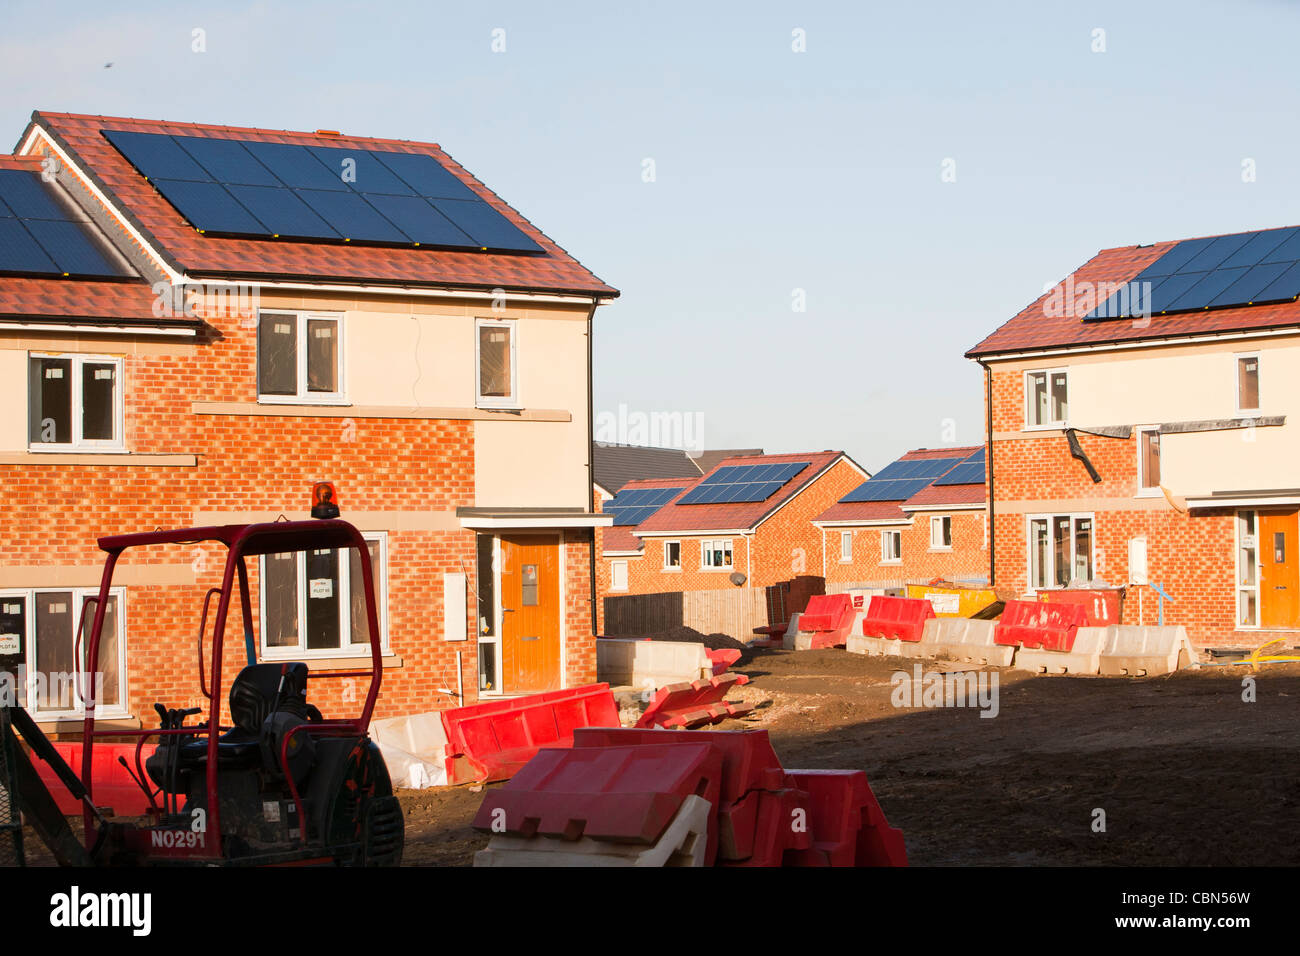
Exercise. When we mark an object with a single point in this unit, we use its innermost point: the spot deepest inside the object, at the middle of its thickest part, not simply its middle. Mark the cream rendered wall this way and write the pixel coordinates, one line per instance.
(13, 399)
(1189, 383)
(409, 358)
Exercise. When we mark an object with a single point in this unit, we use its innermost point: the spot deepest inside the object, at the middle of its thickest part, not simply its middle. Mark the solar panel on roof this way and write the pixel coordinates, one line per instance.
(1212, 272)
(635, 505)
(743, 483)
(361, 195)
(42, 235)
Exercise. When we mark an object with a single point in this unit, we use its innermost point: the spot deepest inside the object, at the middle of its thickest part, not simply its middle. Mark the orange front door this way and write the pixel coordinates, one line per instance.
(530, 613)
(1279, 582)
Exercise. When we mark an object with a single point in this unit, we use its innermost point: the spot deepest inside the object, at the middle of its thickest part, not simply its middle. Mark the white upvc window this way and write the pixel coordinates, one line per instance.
(39, 645)
(300, 358)
(1247, 590)
(1247, 383)
(716, 554)
(891, 547)
(313, 603)
(75, 402)
(494, 358)
(1059, 549)
(941, 533)
(1047, 398)
(672, 555)
(618, 575)
(1148, 463)
(846, 547)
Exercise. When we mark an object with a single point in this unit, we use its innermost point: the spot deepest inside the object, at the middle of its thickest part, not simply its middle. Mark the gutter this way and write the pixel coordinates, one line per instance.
(591, 465)
(988, 459)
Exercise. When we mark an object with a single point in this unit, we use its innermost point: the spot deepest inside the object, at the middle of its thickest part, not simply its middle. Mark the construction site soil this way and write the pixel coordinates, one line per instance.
(1185, 770)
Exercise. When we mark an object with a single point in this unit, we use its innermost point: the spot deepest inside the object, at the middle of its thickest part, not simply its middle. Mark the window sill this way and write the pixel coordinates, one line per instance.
(940, 550)
(97, 458)
(891, 564)
(1046, 427)
(421, 412)
(726, 570)
(1149, 493)
(75, 725)
(61, 449)
(334, 401)
(326, 664)
(672, 570)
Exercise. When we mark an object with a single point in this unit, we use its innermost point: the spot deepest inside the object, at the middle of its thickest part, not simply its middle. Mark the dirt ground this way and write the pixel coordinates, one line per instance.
(1186, 772)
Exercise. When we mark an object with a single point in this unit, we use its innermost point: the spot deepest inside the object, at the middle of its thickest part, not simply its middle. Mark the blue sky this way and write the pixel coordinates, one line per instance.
(775, 170)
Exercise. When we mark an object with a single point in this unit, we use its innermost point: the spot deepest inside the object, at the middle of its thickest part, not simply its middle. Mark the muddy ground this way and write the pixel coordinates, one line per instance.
(1186, 772)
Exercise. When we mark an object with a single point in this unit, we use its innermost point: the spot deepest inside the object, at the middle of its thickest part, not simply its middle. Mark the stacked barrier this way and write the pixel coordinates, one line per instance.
(633, 797)
(1083, 657)
(825, 623)
(892, 626)
(962, 639)
(695, 703)
(1137, 651)
(1038, 624)
(493, 739)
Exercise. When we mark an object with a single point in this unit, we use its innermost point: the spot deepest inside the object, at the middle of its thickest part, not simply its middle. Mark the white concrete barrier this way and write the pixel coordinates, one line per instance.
(684, 842)
(790, 641)
(1084, 658)
(650, 664)
(965, 639)
(858, 643)
(1136, 651)
(414, 748)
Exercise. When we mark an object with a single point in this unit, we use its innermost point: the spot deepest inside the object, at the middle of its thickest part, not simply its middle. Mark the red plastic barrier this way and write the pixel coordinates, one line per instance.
(493, 739)
(625, 785)
(896, 618)
(829, 619)
(113, 787)
(1036, 624)
(722, 659)
(1100, 605)
(695, 703)
(850, 827)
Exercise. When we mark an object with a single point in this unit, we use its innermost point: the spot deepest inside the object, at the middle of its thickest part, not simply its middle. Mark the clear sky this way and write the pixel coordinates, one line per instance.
(773, 170)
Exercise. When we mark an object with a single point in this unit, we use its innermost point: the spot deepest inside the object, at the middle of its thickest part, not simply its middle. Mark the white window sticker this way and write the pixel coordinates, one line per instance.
(322, 587)
(60, 608)
(103, 374)
(324, 333)
(13, 609)
(282, 328)
(54, 373)
(10, 644)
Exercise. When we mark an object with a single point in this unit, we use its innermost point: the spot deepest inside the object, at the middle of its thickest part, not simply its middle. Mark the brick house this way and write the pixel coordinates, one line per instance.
(686, 544)
(1140, 416)
(210, 377)
(921, 517)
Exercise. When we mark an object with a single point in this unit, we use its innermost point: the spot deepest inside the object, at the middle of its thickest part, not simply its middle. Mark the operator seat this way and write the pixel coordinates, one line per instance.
(254, 696)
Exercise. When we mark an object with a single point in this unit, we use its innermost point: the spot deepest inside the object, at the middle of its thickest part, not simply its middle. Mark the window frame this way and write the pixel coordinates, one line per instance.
(846, 546)
(668, 566)
(300, 651)
(79, 598)
(302, 396)
(1145, 490)
(897, 535)
(1237, 359)
(1054, 424)
(614, 565)
(1241, 589)
(705, 549)
(492, 401)
(1049, 517)
(77, 410)
(943, 521)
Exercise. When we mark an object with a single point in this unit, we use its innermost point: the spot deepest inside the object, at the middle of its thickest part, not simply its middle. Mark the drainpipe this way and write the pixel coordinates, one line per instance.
(591, 474)
(988, 459)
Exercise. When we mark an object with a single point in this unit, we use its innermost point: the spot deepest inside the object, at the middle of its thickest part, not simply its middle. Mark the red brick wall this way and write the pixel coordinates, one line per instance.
(55, 512)
(1191, 555)
(967, 559)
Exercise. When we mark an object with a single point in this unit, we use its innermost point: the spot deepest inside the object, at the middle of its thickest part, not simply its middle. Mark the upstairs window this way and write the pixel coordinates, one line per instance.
(716, 554)
(1247, 383)
(1148, 459)
(299, 357)
(1046, 398)
(941, 533)
(74, 403)
(672, 555)
(846, 547)
(496, 363)
(891, 547)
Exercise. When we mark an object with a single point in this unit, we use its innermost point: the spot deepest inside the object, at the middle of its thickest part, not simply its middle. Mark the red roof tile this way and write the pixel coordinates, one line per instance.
(742, 514)
(865, 511)
(948, 495)
(1043, 324)
(208, 256)
(620, 538)
(131, 303)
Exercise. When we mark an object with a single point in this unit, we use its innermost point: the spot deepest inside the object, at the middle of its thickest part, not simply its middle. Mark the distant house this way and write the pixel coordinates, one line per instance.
(1143, 418)
(615, 465)
(921, 517)
(745, 524)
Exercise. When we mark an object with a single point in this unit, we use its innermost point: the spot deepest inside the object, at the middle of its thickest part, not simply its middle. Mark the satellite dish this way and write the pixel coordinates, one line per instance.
(737, 578)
